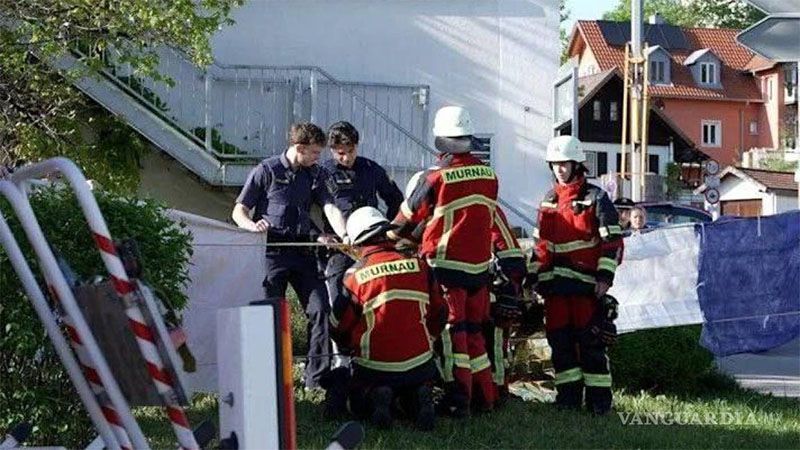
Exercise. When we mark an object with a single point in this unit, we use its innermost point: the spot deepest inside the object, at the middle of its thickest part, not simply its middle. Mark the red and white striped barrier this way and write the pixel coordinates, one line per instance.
(62, 347)
(95, 383)
(145, 335)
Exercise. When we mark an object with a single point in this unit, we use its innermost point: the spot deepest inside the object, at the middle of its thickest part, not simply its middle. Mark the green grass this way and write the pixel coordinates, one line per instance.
(767, 422)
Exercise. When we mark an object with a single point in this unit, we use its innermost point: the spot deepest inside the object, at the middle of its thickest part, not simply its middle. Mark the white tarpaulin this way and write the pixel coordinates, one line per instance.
(656, 284)
(226, 270)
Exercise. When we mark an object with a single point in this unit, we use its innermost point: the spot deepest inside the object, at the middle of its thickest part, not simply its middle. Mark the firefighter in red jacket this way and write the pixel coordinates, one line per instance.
(456, 202)
(506, 308)
(387, 315)
(578, 248)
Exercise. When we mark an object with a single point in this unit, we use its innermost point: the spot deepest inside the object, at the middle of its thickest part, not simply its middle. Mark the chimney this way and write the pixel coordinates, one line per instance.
(656, 19)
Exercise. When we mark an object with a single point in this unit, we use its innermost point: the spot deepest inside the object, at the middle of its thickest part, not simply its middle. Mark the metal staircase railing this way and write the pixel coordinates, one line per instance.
(239, 114)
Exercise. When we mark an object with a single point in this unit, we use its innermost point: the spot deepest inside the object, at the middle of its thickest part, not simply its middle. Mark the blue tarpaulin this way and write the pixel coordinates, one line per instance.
(749, 283)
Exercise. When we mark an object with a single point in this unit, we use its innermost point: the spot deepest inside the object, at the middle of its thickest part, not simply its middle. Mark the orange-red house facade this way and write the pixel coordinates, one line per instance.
(721, 96)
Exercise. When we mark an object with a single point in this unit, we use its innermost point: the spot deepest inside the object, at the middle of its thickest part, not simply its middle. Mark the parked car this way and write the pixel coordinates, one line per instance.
(660, 214)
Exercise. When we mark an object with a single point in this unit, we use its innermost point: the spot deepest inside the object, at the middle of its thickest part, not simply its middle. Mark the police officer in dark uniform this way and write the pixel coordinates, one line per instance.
(359, 182)
(282, 189)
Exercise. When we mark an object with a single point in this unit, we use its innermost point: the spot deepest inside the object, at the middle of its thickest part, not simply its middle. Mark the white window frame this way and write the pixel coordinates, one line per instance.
(710, 71)
(613, 111)
(753, 127)
(717, 124)
(770, 88)
(591, 164)
(597, 111)
(655, 65)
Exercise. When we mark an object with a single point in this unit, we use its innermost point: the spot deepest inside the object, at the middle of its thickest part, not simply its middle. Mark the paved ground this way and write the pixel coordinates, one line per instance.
(776, 371)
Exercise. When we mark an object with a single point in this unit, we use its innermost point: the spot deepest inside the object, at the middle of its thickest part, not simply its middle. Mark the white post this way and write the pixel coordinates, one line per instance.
(575, 109)
(209, 129)
(314, 93)
(636, 99)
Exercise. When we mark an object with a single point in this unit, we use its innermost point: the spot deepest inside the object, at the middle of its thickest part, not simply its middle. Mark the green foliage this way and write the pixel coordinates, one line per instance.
(105, 149)
(33, 385)
(563, 33)
(696, 13)
(136, 85)
(224, 147)
(39, 103)
(778, 164)
(673, 181)
(661, 360)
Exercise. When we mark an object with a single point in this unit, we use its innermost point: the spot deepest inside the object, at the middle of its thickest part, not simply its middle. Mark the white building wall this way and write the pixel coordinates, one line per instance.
(734, 188)
(498, 58)
(614, 149)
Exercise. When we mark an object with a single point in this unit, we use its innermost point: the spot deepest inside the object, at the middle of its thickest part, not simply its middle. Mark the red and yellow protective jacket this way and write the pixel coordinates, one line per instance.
(578, 240)
(506, 249)
(456, 201)
(387, 313)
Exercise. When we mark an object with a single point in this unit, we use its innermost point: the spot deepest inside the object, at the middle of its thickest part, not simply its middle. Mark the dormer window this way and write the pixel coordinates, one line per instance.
(708, 73)
(659, 65)
(657, 72)
(705, 67)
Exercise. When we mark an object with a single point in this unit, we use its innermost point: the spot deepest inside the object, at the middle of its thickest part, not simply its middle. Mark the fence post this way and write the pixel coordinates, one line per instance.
(313, 87)
(207, 105)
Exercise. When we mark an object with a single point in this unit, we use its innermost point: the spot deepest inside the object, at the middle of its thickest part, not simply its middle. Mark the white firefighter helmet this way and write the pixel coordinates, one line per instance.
(365, 223)
(565, 148)
(452, 121)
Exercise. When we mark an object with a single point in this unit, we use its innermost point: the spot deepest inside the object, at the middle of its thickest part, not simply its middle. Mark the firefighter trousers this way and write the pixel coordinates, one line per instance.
(578, 359)
(496, 337)
(465, 363)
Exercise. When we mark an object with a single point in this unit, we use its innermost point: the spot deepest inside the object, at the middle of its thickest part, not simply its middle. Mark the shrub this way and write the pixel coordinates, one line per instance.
(34, 387)
(666, 359)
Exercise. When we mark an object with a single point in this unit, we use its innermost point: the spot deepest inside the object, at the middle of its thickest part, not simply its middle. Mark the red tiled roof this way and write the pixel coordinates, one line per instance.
(772, 179)
(737, 85)
(758, 63)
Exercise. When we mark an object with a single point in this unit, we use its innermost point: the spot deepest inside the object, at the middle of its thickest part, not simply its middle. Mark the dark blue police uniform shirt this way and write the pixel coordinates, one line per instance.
(361, 185)
(283, 196)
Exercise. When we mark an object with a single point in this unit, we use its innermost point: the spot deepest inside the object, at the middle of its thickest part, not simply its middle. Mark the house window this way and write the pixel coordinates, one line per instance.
(591, 164)
(790, 78)
(769, 88)
(613, 111)
(711, 131)
(597, 113)
(753, 127)
(602, 163)
(653, 164)
(485, 144)
(708, 73)
(657, 72)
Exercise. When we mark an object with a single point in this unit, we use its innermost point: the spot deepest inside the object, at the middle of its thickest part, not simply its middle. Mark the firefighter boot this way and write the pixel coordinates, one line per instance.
(453, 404)
(569, 395)
(381, 398)
(426, 415)
(598, 400)
(335, 383)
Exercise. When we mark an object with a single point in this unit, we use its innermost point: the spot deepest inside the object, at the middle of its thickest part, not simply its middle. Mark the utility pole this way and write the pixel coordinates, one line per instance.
(636, 98)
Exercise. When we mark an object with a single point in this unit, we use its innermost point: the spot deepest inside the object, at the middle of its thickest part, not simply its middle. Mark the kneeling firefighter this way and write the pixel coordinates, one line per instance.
(386, 315)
